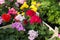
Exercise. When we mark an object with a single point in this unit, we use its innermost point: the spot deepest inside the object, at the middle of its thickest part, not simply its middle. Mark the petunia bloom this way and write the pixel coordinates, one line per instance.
(25, 5)
(32, 34)
(19, 17)
(35, 19)
(6, 17)
(34, 8)
(2, 1)
(18, 26)
(12, 11)
(21, 1)
(34, 5)
(30, 13)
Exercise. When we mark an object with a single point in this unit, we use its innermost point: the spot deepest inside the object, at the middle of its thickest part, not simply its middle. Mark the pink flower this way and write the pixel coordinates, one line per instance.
(21, 1)
(2, 1)
(59, 35)
(19, 17)
(12, 11)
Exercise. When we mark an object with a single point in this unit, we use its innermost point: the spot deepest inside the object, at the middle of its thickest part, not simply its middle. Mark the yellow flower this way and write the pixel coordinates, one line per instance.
(24, 6)
(34, 8)
(33, 2)
(18, 13)
(23, 13)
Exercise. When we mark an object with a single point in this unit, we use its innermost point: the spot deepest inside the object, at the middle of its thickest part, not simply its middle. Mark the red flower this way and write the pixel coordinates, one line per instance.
(35, 19)
(6, 17)
(30, 13)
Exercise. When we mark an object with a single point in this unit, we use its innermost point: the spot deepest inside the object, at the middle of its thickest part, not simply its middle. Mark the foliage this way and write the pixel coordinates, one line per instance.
(55, 38)
(50, 11)
(13, 34)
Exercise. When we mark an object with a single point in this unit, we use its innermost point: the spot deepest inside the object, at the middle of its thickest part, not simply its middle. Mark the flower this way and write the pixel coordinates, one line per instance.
(34, 8)
(2, 1)
(31, 38)
(30, 13)
(32, 34)
(23, 13)
(59, 35)
(33, 2)
(20, 17)
(18, 26)
(18, 13)
(1, 20)
(6, 17)
(35, 19)
(24, 6)
(21, 1)
(12, 11)
(34, 5)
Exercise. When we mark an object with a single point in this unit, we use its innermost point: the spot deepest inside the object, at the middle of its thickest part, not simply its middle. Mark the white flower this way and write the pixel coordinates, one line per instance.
(21, 1)
(20, 17)
(31, 38)
(32, 34)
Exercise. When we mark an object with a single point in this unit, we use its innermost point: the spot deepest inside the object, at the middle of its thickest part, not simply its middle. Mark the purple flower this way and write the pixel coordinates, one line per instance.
(1, 20)
(18, 26)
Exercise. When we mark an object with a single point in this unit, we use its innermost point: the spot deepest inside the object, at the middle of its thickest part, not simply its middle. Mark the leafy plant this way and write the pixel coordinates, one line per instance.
(50, 11)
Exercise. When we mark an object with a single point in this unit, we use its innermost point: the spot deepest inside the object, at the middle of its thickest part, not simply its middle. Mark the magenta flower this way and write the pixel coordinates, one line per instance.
(2, 1)
(18, 26)
(12, 11)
